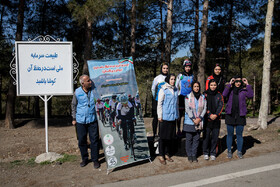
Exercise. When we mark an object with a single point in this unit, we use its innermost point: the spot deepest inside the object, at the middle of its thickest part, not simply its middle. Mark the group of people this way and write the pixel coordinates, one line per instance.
(177, 97)
(174, 98)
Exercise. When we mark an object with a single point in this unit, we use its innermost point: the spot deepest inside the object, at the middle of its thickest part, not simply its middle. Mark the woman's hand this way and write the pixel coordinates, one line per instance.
(196, 121)
(213, 116)
(232, 81)
(245, 81)
(160, 120)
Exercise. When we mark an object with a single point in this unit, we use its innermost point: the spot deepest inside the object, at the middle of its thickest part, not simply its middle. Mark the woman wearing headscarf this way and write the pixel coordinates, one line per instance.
(183, 83)
(157, 83)
(215, 104)
(167, 114)
(218, 77)
(237, 91)
(195, 107)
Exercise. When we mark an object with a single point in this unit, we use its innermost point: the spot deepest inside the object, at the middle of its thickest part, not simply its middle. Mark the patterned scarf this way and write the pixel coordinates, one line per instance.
(201, 103)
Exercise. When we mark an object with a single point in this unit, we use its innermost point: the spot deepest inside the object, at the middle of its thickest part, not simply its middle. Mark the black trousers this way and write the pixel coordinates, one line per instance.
(155, 116)
(210, 139)
(92, 130)
(164, 147)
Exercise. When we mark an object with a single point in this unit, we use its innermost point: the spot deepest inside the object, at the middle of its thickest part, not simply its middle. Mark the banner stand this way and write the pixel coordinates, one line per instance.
(46, 99)
(108, 170)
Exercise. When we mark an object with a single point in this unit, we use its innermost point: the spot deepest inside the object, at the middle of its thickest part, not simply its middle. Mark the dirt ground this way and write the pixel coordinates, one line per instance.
(28, 141)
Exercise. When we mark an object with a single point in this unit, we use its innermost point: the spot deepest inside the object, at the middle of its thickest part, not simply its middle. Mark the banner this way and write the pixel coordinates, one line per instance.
(44, 68)
(115, 82)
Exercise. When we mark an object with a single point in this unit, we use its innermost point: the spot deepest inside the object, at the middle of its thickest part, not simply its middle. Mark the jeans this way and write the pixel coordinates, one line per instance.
(92, 130)
(210, 136)
(239, 137)
(192, 142)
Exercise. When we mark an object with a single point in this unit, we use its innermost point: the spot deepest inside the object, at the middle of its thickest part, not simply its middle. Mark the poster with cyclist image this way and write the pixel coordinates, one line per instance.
(119, 112)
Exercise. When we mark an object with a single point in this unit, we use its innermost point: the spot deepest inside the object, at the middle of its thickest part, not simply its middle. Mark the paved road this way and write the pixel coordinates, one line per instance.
(263, 170)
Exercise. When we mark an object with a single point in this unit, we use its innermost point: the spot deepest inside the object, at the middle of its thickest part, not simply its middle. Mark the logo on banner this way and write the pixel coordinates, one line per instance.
(112, 161)
(108, 139)
(125, 158)
(110, 150)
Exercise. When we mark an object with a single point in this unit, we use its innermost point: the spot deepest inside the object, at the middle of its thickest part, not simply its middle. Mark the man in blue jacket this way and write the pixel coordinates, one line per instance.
(85, 120)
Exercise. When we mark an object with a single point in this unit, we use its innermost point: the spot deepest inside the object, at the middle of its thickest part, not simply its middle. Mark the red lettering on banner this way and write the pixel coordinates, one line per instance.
(125, 158)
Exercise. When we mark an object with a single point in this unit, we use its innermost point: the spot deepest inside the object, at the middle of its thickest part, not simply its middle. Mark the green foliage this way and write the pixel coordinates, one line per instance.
(17, 163)
(67, 158)
(31, 162)
(45, 163)
(88, 9)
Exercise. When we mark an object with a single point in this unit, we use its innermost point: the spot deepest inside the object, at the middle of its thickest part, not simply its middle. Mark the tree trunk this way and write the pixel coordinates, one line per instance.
(168, 32)
(1, 21)
(202, 54)
(0, 95)
(196, 40)
(88, 45)
(146, 99)
(124, 30)
(10, 106)
(133, 30)
(254, 98)
(229, 39)
(240, 59)
(162, 50)
(36, 107)
(263, 113)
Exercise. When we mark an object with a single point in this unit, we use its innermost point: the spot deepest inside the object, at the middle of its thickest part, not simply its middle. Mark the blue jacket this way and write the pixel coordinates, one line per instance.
(168, 103)
(85, 110)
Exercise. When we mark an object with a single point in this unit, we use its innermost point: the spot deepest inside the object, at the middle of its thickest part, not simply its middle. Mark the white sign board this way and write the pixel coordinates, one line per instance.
(44, 68)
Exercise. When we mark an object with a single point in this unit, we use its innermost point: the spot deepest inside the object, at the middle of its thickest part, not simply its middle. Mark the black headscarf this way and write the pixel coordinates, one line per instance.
(167, 78)
(218, 78)
(163, 64)
(196, 94)
(236, 89)
(211, 99)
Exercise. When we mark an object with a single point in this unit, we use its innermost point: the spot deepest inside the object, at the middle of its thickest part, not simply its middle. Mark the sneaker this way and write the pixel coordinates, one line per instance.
(190, 159)
(212, 157)
(156, 138)
(206, 157)
(114, 125)
(84, 163)
(239, 154)
(229, 154)
(96, 165)
(194, 159)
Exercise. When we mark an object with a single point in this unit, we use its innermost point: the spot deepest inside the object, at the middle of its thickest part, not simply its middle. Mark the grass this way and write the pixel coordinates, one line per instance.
(67, 158)
(17, 163)
(45, 163)
(31, 162)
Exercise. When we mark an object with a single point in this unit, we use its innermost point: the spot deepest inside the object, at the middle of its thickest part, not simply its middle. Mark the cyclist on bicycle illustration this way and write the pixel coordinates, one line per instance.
(113, 105)
(107, 111)
(100, 109)
(138, 106)
(125, 116)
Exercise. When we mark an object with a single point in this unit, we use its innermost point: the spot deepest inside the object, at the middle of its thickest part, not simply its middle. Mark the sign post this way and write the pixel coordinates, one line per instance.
(44, 67)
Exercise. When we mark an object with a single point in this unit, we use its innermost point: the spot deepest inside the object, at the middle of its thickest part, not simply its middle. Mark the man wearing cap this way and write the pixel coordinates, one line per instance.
(183, 83)
(85, 120)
